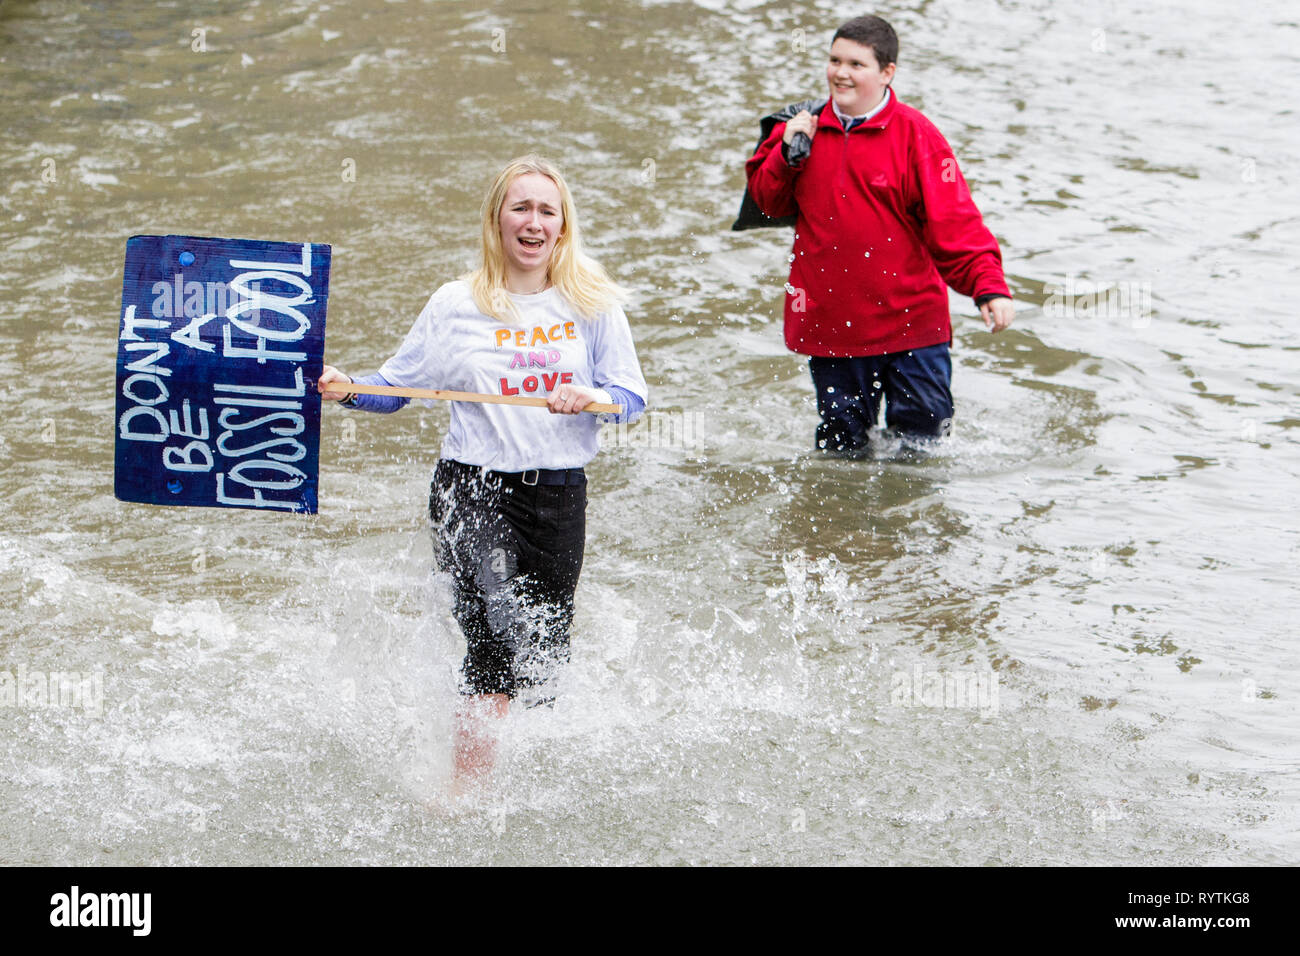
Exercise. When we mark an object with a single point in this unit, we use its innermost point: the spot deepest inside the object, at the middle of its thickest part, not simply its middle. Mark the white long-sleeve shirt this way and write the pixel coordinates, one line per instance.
(453, 345)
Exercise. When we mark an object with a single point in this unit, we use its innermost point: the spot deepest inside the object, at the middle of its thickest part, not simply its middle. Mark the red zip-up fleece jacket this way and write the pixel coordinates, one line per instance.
(884, 220)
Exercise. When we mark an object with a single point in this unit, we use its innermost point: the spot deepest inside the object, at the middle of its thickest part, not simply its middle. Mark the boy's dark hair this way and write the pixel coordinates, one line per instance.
(873, 32)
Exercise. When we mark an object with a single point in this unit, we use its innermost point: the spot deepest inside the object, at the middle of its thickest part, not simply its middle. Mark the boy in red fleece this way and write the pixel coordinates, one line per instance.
(885, 219)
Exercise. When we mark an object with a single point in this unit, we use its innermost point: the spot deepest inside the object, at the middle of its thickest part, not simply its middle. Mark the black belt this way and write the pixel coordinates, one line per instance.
(544, 476)
(534, 476)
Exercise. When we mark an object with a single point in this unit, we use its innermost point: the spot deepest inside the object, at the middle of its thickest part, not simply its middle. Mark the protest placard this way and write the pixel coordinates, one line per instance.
(219, 348)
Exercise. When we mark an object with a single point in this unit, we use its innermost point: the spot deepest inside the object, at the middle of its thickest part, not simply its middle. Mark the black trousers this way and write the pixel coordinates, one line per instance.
(514, 552)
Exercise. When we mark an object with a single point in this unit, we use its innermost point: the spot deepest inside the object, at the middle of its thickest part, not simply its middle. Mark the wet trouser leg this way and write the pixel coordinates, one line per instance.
(514, 553)
(918, 391)
(848, 400)
(915, 386)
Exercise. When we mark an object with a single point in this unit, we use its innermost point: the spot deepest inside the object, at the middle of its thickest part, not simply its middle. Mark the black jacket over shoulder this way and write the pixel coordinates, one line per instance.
(751, 217)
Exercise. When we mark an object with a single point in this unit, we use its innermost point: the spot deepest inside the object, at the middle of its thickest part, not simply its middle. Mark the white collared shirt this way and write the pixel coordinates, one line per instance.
(846, 121)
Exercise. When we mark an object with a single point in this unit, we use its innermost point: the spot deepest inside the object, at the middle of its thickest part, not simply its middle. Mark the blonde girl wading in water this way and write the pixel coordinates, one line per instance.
(508, 500)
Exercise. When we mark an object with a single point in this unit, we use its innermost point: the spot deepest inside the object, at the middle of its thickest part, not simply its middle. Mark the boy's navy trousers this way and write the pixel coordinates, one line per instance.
(915, 386)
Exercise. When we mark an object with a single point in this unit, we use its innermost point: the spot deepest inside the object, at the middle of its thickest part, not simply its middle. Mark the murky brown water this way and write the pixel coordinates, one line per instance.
(1109, 535)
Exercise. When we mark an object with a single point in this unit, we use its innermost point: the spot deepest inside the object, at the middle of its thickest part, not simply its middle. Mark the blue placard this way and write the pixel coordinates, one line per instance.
(219, 348)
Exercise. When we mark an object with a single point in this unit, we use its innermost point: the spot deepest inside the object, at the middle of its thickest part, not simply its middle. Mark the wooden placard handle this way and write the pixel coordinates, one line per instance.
(446, 396)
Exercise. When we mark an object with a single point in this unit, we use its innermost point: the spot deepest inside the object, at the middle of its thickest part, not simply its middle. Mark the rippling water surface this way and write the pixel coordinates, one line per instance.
(1108, 541)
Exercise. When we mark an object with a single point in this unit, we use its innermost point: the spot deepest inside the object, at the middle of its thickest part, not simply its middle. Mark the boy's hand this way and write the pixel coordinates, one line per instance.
(801, 123)
(998, 313)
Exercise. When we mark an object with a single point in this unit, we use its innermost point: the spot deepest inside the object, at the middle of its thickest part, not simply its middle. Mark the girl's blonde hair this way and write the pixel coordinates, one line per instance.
(576, 276)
